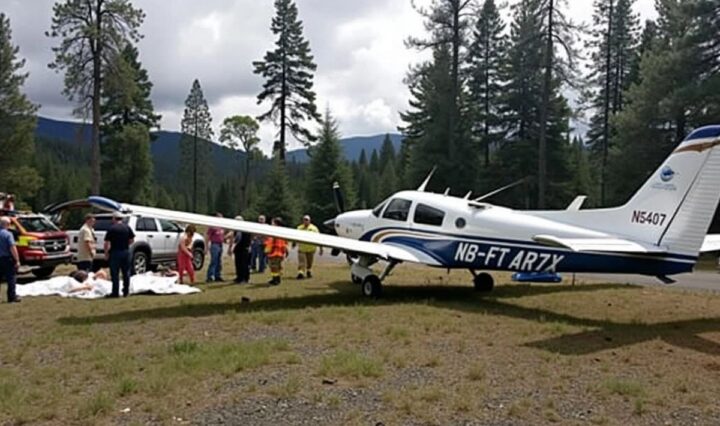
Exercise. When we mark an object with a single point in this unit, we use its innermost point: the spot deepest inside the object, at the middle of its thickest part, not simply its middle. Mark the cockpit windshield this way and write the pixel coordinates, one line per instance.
(378, 209)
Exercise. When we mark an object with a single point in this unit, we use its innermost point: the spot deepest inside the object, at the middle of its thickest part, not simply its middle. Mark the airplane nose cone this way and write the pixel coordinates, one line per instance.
(330, 226)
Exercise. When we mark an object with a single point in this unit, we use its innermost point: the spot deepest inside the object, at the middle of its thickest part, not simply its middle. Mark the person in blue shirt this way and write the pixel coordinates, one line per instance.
(118, 240)
(9, 259)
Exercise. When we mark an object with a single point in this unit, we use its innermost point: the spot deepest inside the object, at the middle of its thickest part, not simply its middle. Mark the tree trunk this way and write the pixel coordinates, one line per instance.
(487, 96)
(454, 81)
(95, 172)
(195, 161)
(542, 146)
(606, 107)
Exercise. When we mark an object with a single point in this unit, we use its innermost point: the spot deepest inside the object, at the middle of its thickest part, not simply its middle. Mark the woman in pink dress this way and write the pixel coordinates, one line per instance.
(184, 255)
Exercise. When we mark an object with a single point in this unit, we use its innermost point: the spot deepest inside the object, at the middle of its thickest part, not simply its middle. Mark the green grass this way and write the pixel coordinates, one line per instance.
(424, 353)
(350, 364)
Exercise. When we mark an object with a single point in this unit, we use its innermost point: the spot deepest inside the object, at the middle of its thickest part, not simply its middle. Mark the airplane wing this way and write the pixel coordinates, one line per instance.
(608, 244)
(383, 251)
(711, 243)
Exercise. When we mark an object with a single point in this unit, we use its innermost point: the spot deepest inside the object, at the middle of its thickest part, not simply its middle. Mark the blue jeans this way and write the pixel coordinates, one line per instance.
(120, 262)
(8, 272)
(258, 258)
(214, 271)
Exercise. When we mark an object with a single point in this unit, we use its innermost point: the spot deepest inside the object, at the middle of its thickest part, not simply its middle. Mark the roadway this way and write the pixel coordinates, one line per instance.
(699, 280)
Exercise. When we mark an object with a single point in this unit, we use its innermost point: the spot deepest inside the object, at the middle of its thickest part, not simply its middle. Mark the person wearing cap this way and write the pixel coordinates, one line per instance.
(240, 249)
(86, 244)
(118, 240)
(9, 259)
(306, 252)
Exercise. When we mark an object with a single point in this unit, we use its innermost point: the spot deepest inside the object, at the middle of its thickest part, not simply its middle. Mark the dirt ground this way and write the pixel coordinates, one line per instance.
(431, 351)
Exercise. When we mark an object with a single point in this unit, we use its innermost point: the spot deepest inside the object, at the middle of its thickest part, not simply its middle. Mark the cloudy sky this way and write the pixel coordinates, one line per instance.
(357, 44)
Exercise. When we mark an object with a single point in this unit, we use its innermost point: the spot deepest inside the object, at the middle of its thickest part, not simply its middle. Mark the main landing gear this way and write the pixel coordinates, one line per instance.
(483, 282)
(370, 284)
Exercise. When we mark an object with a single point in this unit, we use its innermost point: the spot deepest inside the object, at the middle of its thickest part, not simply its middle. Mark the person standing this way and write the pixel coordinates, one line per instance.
(240, 249)
(258, 258)
(86, 244)
(9, 259)
(118, 240)
(184, 255)
(215, 238)
(276, 250)
(306, 252)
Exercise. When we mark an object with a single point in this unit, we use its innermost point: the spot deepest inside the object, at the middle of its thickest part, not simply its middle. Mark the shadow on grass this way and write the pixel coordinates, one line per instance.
(607, 334)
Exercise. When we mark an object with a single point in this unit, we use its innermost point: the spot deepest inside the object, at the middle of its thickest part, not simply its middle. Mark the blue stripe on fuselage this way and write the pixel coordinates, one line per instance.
(479, 253)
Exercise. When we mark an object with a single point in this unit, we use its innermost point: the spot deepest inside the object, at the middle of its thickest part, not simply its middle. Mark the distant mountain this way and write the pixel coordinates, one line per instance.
(166, 147)
(352, 147)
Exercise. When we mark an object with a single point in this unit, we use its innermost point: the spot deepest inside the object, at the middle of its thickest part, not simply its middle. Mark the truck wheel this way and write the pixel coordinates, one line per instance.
(198, 259)
(43, 272)
(140, 262)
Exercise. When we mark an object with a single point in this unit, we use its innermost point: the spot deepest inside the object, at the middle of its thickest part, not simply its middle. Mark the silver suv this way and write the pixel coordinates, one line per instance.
(156, 242)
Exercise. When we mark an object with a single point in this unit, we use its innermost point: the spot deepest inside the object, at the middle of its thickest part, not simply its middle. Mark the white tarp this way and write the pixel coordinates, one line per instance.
(68, 287)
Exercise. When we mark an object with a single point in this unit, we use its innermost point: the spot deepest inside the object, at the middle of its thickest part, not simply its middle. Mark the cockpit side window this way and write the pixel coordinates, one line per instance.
(377, 210)
(427, 215)
(398, 209)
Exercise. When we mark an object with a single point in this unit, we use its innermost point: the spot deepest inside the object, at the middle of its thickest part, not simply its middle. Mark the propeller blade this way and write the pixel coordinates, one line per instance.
(339, 199)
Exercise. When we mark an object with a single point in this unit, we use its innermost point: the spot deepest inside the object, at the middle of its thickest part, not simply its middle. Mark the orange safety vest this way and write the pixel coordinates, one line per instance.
(275, 247)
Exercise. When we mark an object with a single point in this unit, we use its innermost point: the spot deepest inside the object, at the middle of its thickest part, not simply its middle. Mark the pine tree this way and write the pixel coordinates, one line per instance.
(195, 142)
(17, 122)
(556, 31)
(241, 131)
(448, 24)
(129, 165)
(127, 117)
(522, 110)
(277, 199)
(486, 59)
(613, 46)
(288, 73)
(387, 152)
(126, 97)
(326, 167)
(92, 33)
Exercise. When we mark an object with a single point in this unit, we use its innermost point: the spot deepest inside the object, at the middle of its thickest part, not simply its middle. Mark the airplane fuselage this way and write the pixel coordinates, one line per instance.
(451, 232)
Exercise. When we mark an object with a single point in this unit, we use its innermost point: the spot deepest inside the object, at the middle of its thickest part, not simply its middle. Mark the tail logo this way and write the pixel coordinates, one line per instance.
(667, 174)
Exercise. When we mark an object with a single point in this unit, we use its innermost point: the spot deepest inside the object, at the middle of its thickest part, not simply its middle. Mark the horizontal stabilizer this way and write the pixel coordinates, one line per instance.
(711, 243)
(608, 244)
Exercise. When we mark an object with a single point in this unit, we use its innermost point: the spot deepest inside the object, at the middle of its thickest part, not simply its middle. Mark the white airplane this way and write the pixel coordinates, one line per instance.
(659, 232)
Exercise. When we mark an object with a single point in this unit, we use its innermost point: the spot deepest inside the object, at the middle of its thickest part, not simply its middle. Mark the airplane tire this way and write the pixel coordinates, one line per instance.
(483, 282)
(372, 287)
(355, 279)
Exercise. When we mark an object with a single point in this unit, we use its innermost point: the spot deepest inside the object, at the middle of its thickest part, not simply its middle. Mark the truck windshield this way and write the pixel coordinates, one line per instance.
(37, 224)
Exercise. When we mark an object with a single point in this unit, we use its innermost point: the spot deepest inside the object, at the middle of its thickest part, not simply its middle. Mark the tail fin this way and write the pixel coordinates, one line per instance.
(676, 204)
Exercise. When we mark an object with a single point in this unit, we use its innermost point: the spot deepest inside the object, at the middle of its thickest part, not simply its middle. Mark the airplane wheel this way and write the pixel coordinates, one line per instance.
(483, 282)
(371, 286)
(355, 279)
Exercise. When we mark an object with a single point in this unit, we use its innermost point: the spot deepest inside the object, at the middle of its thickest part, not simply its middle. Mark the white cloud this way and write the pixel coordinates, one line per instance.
(358, 47)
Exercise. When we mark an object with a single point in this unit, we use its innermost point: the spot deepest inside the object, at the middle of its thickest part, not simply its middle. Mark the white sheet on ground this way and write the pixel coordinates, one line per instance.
(64, 286)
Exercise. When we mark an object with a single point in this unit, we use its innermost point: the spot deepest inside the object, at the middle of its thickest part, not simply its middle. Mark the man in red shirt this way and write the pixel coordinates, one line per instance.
(214, 243)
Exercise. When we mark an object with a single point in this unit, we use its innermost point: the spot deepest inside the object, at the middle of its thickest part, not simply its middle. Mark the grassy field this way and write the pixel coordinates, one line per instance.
(432, 351)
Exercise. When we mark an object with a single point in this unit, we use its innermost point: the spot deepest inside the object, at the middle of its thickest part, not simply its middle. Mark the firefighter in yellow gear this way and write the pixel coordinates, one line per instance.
(306, 252)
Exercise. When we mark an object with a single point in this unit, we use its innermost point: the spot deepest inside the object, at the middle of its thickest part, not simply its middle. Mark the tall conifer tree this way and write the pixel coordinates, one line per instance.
(17, 121)
(92, 33)
(486, 59)
(195, 143)
(288, 73)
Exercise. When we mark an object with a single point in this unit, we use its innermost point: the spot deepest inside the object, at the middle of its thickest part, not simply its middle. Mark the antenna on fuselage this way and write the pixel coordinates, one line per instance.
(447, 191)
(467, 196)
(422, 186)
(491, 193)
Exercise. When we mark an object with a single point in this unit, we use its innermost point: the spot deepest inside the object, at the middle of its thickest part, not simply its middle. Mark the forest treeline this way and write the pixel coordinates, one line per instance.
(492, 105)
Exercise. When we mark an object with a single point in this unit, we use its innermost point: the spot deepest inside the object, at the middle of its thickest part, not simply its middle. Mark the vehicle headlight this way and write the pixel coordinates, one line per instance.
(35, 244)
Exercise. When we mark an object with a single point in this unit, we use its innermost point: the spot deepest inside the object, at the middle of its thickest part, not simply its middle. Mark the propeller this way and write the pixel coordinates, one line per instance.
(339, 198)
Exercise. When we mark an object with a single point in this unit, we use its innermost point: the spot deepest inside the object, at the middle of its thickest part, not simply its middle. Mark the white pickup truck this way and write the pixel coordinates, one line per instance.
(156, 242)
